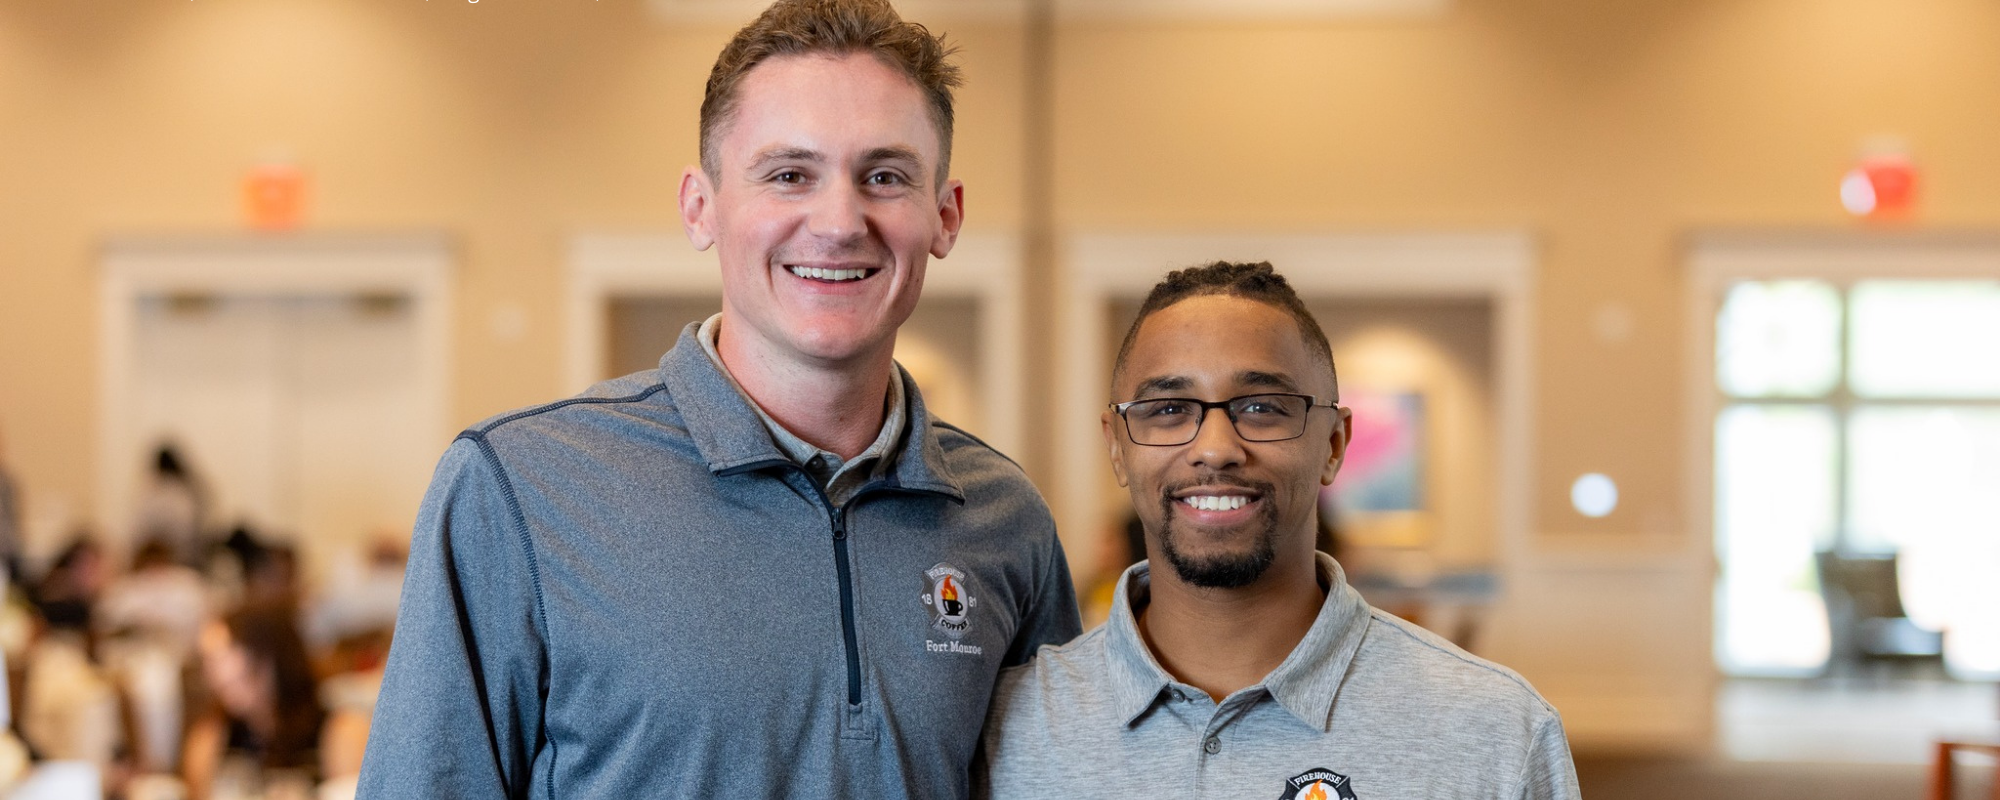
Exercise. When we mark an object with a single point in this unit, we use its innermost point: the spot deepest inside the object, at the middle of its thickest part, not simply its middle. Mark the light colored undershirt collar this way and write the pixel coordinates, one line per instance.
(838, 478)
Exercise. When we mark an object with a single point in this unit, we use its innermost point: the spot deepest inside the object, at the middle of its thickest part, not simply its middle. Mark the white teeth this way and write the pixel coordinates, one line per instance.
(828, 274)
(1206, 502)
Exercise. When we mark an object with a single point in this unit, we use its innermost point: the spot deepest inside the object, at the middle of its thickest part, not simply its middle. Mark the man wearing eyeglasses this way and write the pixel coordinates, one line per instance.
(1244, 666)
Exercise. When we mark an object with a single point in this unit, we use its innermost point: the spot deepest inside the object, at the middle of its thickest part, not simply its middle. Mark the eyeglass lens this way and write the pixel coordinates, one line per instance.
(1257, 417)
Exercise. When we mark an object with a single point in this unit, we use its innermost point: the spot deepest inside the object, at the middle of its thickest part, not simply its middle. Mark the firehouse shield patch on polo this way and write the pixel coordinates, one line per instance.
(949, 595)
(1318, 784)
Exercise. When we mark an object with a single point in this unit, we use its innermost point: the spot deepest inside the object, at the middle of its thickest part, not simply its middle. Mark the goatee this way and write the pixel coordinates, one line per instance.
(1225, 570)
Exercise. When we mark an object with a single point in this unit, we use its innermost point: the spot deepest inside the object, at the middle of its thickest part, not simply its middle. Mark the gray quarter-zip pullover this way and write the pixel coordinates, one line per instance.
(635, 594)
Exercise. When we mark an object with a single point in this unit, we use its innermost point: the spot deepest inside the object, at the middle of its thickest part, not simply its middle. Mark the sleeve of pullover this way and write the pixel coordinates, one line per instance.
(460, 713)
(1051, 616)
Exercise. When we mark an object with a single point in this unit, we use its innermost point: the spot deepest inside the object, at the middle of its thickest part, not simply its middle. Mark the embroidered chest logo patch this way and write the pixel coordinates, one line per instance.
(1318, 784)
(949, 596)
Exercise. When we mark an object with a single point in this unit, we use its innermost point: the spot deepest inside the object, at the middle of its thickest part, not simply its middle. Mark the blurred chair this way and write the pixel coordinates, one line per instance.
(1943, 786)
(1864, 609)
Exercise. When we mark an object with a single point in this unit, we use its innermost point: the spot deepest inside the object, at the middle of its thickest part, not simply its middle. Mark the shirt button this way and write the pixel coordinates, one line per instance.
(1212, 746)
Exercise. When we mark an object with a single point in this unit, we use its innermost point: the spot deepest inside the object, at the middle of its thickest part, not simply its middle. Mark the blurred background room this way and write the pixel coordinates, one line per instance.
(1672, 332)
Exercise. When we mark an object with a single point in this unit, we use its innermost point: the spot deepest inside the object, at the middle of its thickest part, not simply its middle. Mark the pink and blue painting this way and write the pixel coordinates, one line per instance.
(1384, 469)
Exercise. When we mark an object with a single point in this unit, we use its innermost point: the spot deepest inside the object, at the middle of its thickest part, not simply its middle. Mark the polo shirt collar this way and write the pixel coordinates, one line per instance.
(1304, 684)
(1137, 679)
(1308, 679)
(729, 430)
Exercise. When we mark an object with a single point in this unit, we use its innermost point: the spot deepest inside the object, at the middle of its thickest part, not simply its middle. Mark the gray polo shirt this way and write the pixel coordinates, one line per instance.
(1367, 706)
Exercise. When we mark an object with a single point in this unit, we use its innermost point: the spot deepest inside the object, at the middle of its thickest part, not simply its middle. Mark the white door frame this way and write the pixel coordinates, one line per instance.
(416, 266)
(1102, 267)
(983, 268)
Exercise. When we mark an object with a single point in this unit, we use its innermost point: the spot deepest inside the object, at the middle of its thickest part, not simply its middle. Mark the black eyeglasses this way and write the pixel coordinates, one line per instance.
(1173, 421)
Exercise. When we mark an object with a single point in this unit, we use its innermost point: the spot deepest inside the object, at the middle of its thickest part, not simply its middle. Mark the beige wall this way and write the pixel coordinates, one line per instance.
(1608, 130)
(507, 125)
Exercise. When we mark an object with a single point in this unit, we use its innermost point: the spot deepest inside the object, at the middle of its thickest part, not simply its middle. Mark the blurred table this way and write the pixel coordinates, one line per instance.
(1448, 602)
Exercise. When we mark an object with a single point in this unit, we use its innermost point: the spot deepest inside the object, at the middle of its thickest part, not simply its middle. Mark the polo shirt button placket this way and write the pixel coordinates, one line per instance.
(1212, 746)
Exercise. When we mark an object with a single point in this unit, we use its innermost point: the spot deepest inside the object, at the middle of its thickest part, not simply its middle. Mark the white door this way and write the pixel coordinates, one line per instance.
(301, 381)
(300, 414)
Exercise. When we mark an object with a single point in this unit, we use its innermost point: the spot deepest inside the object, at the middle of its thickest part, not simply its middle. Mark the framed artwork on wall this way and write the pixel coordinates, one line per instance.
(1378, 498)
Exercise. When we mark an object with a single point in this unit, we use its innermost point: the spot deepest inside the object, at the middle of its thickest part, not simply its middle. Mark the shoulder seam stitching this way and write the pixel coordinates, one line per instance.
(478, 438)
(978, 441)
(548, 407)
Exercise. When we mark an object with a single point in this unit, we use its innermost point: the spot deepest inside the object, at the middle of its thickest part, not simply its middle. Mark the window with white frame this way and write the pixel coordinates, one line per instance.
(1857, 418)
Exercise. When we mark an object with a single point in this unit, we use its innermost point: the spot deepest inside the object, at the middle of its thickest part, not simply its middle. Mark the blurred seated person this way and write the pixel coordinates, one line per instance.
(265, 711)
(352, 618)
(271, 577)
(228, 565)
(160, 600)
(147, 622)
(67, 593)
(10, 520)
(172, 505)
(69, 710)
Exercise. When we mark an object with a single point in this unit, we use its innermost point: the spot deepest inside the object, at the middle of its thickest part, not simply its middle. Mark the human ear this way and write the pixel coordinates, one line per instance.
(1343, 431)
(695, 208)
(1115, 444)
(951, 217)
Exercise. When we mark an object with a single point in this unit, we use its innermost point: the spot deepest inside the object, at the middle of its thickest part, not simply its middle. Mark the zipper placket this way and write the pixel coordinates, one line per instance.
(837, 519)
(847, 633)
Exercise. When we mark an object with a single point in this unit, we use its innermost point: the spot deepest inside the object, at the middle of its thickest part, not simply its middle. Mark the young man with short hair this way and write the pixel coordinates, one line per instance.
(763, 568)
(1237, 662)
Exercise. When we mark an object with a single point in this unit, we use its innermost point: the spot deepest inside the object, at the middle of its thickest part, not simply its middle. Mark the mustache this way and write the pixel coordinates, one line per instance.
(1168, 491)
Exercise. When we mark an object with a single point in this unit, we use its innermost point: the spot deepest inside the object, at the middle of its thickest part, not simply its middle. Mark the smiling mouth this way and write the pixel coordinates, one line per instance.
(1213, 497)
(1212, 502)
(830, 275)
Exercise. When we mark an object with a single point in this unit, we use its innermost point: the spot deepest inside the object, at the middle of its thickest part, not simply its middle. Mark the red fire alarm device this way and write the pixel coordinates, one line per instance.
(1880, 187)
(274, 196)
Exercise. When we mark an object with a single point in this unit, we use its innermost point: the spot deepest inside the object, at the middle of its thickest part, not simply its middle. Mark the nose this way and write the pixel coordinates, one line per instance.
(1216, 444)
(837, 214)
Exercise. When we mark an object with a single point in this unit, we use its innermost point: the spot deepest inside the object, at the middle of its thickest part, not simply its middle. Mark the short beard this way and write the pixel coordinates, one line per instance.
(1223, 571)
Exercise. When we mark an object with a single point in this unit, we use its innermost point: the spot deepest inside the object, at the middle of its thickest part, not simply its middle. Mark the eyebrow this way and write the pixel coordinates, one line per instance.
(1267, 379)
(1166, 383)
(1182, 383)
(778, 154)
(893, 153)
